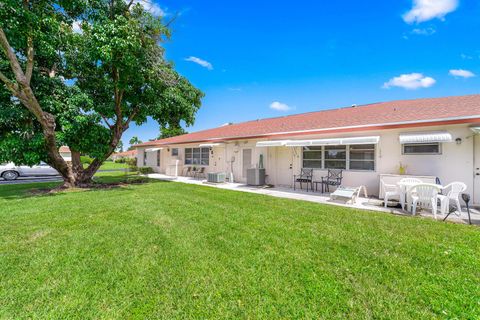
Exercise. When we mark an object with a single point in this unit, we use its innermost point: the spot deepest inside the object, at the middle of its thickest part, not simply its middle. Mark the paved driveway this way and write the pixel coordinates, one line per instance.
(46, 179)
(31, 180)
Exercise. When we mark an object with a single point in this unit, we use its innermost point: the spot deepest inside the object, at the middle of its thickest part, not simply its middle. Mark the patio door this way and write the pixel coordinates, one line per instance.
(219, 159)
(284, 167)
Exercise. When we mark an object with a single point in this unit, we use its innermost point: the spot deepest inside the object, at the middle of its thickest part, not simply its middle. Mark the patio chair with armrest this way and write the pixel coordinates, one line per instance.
(334, 178)
(199, 173)
(425, 195)
(305, 176)
(392, 191)
(186, 171)
(454, 191)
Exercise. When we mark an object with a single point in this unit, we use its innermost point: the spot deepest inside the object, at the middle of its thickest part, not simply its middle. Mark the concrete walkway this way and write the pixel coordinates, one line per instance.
(371, 204)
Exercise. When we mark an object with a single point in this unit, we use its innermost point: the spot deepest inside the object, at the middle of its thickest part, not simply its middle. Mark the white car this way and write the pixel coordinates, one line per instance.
(10, 171)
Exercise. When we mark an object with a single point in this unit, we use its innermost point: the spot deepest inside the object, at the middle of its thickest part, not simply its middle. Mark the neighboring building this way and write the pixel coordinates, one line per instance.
(431, 137)
(130, 154)
(66, 153)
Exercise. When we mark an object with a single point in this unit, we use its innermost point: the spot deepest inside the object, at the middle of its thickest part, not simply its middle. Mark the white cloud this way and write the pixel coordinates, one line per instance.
(151, 6)
(424, 31)
(276, 105)
(424, 10)
(466, 56)
(77, 26)
(461, 73)
(410, 81)
(201, 62)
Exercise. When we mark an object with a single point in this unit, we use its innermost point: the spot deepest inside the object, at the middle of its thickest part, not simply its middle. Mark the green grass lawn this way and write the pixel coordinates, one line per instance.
(174, 251)
(110, 165)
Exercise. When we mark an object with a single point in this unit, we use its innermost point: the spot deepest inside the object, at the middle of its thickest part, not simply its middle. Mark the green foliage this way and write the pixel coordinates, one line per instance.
(131, 161)
(171, 131)
(120, 160)
(145, 170)
(133, 141)
(119, 146)
(86, 160)
(94, 82)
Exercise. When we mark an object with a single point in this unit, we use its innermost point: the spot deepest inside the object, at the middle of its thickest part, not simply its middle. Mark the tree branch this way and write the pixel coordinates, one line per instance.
(13, 87)
(30, 55)
(12, 58)
(106, 120)
(172, 20)
(130, 118)
(129, 5)
(25, 94)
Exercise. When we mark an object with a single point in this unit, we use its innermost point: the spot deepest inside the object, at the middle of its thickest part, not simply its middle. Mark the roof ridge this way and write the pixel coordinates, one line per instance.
(334, 109)
(362, 106)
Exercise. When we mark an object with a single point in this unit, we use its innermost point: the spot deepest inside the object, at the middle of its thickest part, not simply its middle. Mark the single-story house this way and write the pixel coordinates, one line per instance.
(427, 137)
(65, 153)
(130, 154)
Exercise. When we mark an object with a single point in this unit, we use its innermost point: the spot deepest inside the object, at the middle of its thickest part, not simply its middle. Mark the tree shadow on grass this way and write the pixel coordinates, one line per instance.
(25, 191)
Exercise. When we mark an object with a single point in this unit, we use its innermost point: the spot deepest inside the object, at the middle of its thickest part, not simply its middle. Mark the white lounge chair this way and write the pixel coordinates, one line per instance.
(348, 194)
(455, 189)
(425, 195)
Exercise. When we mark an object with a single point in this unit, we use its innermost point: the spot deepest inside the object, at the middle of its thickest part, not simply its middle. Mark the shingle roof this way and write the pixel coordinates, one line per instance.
(64, 149)
(380, 115)
(126, 153)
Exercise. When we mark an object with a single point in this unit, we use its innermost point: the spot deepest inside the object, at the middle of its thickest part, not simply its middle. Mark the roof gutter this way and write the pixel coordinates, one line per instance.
(367, 127)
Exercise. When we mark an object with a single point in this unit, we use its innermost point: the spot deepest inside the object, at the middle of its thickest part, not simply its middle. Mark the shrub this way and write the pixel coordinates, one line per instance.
(86, 160)
(131, 162)
(120, 160)
(145, 170)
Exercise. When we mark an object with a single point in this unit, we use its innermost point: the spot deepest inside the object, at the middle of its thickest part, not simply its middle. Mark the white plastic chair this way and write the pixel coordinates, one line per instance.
(392, 191)
(455, 189)
(405, 185)
(425, 195)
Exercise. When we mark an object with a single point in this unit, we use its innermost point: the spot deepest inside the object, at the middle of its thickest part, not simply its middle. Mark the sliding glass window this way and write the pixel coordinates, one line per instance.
(346, 157)
(197, 156)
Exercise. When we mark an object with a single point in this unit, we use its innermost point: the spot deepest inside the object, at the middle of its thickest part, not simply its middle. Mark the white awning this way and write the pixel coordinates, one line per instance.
(326, 142)
(425, 137)
(210, 145)
(278, 143)
(320, 142)
(361, 140)
(153, 149)
(298, 143)
(336, 141)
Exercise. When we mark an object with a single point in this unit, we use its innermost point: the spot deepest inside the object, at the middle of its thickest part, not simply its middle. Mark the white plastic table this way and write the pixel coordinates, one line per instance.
(405, 196)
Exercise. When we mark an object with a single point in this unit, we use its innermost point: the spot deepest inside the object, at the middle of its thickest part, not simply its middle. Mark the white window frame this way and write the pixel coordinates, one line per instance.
(200, 159)
(347, 159)
(422, 153)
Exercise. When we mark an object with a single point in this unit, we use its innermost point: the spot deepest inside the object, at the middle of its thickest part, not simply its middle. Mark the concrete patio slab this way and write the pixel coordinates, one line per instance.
(372, 204)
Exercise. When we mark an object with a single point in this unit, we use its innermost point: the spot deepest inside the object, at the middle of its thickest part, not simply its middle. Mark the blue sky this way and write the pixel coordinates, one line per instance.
(258, 59)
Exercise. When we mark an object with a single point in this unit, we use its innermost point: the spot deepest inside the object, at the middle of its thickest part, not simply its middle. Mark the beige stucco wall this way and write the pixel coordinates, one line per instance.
(455, 163)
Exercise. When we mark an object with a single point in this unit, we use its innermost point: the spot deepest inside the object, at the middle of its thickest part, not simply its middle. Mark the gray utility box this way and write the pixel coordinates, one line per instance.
(256, 177)
(216, 177)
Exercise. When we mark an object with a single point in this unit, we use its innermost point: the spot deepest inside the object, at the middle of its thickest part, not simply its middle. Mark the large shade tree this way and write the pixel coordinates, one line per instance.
(78, 73)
